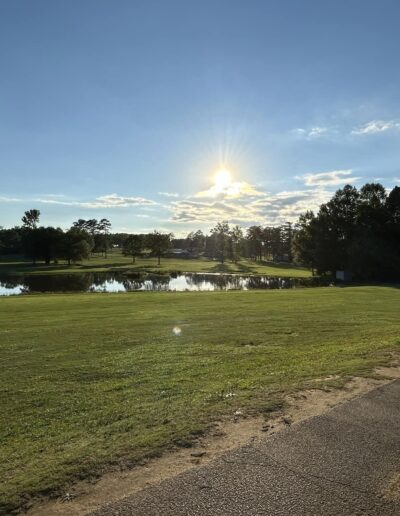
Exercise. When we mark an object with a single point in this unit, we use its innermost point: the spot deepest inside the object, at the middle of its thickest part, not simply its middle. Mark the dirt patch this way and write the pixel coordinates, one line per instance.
(392, 490)
(84, 497)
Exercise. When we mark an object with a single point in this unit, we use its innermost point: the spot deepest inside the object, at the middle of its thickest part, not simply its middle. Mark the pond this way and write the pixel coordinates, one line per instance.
(125, 282)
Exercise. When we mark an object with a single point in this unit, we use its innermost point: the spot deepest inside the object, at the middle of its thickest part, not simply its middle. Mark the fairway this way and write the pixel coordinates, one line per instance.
(93, 380)
(116, 261)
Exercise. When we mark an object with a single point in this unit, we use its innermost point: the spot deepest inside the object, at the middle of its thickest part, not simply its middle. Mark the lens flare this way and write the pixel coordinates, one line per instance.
(176, 331)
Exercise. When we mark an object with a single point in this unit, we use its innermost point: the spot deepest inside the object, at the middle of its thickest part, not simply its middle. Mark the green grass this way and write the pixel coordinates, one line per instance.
(117, 262)
(88, 381)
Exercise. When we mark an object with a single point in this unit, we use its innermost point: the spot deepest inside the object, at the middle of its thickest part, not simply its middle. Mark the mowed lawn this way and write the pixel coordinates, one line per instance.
(116, 261)
(93, 380)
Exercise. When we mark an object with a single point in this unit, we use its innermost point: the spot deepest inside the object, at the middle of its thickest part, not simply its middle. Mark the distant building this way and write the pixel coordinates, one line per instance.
(282, 258)
(344, 276)
(179, 253)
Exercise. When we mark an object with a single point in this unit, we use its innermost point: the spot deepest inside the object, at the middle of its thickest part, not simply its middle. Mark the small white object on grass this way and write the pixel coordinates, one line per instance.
(176, 331)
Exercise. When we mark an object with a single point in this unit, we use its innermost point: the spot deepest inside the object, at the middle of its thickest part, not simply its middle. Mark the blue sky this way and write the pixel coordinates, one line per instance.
(106, 107)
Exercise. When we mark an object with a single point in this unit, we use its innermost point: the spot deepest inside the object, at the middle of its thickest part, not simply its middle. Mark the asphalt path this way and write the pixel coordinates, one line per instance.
(344, 462)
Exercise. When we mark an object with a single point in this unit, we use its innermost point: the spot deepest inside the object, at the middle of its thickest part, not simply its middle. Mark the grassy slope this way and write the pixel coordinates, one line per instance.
(116, 261)
(92, 379)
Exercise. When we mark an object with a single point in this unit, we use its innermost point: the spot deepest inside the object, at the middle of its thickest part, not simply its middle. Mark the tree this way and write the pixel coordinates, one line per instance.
(159, 243)
(372, 211)
(30, 219)
(304, 241)
(42, 243)
(236, 237)
(104, 226)
(90, 225)
(195, 241)
(393, 205)
(357, 231)
(286, 235)
(76, 245)
(221, 233)
(100, 231)
(255, 239)
(210, 249)
(11, 241)
(275, 242)
(133, 246)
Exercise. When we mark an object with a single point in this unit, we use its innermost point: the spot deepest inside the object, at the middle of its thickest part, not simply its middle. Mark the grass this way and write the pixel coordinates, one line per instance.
(117, 262)
(89, 381)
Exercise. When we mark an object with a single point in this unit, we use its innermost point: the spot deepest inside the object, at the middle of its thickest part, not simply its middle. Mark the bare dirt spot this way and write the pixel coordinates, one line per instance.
(392, 490)
(84, 497)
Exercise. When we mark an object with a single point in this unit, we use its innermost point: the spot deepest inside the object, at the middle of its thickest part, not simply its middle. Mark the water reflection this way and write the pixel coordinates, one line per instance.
(120, 282)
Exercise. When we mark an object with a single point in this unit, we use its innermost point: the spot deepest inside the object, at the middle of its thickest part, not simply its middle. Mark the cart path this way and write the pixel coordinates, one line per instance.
(346, 461)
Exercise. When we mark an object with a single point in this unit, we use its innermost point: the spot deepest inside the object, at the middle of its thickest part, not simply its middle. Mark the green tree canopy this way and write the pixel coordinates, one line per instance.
(133, 246)
(159, 243)
(30, 219)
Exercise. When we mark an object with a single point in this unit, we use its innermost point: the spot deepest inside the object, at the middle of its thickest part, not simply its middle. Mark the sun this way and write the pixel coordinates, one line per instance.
(222, 179)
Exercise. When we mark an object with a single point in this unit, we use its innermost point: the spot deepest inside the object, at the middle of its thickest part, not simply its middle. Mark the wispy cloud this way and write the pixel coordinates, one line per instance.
(169, 194)
(376, 126)
(335, 177)
(105, 201)
(52, 196)
(9, 199)
(311, 132)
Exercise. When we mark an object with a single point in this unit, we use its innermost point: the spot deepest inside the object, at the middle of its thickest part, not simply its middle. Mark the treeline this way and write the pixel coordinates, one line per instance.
(231, 242)
(356, 231)
(87, 237)
(50, 244)
(83, 239)
(224, 242)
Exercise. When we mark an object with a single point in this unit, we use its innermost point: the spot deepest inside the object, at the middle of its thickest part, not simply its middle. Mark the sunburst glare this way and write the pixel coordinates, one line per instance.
(222, 179)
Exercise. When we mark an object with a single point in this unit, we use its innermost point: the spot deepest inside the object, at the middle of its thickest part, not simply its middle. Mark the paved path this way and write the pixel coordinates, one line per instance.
(336, 464)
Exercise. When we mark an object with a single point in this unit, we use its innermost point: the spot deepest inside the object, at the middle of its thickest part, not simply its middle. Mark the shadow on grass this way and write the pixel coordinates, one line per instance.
(221, 268)
(26, 267)
(280, 265)
(246, 269)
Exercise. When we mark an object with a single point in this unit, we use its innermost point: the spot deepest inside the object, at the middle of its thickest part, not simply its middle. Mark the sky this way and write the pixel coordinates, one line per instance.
(129, 109)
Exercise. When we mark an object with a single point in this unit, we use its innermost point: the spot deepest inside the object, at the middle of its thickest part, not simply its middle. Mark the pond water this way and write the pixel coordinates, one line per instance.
(123, 282)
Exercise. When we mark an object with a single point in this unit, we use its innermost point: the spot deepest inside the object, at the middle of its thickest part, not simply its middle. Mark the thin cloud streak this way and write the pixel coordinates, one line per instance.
(104, 201)
(9, 199)
(332, 178)
(169, 194)
(376, 126)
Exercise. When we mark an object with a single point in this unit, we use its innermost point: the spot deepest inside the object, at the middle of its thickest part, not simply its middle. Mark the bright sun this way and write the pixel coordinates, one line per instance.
(222, 179)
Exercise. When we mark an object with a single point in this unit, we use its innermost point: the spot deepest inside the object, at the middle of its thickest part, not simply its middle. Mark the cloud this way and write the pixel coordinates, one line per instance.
(9, 199)
(310, 133)
(376, 126)
(168, 194)
(53, 195)
(114, 200)
(265, 208)
(335, 177)
(105, 201)
(233, 190)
